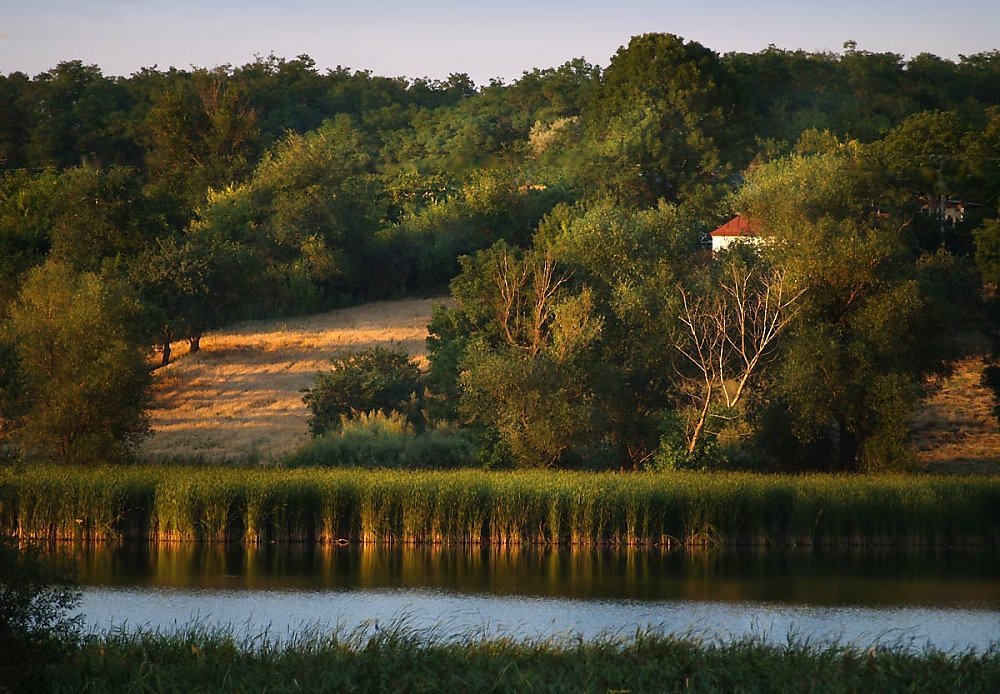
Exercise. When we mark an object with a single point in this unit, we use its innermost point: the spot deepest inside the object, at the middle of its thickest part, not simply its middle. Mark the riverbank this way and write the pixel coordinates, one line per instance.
(397, 658)
(179, 503)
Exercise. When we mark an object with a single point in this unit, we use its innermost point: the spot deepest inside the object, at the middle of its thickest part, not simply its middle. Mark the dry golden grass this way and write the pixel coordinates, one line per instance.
(955, 430)
(240, 396)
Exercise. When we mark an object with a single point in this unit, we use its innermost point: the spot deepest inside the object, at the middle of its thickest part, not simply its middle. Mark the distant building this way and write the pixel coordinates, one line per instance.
(943, 208)
(738, 229)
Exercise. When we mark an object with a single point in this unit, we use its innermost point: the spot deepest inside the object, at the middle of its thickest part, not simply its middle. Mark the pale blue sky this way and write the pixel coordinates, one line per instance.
(432, 38)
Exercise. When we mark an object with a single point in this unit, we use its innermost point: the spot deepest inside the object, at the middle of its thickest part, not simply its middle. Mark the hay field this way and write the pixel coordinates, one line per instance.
(955, 430)
(240, 397)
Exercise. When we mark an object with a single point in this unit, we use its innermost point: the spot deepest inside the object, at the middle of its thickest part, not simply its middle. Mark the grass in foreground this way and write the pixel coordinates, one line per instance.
(400, 659)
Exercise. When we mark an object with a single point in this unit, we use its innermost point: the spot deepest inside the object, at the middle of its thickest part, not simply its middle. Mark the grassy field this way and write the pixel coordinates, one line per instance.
(240, 397)
(955, 430)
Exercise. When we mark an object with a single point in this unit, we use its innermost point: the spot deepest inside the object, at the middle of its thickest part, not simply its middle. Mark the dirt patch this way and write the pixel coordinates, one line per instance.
(240, 397)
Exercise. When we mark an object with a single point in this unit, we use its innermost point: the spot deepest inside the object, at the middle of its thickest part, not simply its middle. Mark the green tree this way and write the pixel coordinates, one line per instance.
(84, 378)
(101, 216)
(26, 207)
(866, 333)
(311, 209)
(78, 116)
(14, 120)
(200, 132)
(521, 374)
(633, 262)
(11, 387)
(193, 283)
(658, 120)
(727, 336)
(987, 239)
(373, 380)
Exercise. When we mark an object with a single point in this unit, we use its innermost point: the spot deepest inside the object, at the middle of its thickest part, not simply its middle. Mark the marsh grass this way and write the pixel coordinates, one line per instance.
(398, 657)
(501, 508)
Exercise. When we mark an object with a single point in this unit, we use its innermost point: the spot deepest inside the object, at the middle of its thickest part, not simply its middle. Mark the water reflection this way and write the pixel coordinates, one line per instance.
(931, 577)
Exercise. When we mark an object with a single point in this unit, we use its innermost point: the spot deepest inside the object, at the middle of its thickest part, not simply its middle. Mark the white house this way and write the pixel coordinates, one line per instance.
(738, 229)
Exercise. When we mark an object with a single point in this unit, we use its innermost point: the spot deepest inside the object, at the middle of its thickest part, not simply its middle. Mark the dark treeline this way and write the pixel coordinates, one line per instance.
(567, 210)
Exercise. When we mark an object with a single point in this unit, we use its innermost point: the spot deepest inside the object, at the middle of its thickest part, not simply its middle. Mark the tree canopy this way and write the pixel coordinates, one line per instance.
(567, 212)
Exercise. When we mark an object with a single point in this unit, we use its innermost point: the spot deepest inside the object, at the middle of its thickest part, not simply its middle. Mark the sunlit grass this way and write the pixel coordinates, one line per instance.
(240, 397)
(955, 428)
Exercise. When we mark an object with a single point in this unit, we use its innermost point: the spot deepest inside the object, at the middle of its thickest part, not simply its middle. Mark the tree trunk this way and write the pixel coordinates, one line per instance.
(700, 424)
(848, 445)
(166, 348)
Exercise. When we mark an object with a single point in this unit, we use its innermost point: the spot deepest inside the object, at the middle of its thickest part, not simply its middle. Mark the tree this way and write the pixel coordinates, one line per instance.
(373, 380)
(987, 239)
(200, 132)
(78, 117)
(11, 387)
(26, 210)
(36, 595)
(521, 375)
(193, 283)
(633, 263)
(101, 216)
(658, 119)
(311, 209)
(14, 119)
(868, 329)
(84, 378)
(726, 339)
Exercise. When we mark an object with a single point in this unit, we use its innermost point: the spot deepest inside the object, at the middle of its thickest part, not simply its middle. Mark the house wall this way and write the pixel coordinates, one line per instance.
(720, 242)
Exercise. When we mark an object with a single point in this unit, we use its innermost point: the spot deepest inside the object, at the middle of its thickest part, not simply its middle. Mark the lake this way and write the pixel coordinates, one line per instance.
(946, 598)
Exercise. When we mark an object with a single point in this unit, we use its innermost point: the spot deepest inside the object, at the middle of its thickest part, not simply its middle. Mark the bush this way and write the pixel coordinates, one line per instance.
(380, 441)
(35, 631)
(373, 380)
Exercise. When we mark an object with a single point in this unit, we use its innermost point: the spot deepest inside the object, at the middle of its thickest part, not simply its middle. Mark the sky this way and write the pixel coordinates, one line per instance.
(434, 38)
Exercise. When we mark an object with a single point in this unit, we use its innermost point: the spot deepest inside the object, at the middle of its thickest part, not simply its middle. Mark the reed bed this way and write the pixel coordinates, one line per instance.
(177, 503)
(404, 659)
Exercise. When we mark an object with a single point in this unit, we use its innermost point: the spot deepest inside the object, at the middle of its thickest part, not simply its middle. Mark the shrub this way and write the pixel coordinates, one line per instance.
(373, 380)
(35, 630)
(381, 441)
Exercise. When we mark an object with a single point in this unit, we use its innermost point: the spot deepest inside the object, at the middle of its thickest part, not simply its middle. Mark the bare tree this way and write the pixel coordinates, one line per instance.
(526, 294)
(727, 337)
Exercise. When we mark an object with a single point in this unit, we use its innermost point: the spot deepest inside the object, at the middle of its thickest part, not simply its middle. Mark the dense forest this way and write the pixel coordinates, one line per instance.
(568, 215)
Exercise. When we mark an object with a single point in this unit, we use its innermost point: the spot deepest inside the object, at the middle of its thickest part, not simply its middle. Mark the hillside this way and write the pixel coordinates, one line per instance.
(240, 397)
(955, 430)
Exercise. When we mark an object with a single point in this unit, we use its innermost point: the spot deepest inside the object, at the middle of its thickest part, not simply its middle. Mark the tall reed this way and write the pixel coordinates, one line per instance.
(503, 508)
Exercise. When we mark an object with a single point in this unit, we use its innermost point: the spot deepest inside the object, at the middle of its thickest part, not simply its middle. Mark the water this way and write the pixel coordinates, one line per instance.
(948, 599)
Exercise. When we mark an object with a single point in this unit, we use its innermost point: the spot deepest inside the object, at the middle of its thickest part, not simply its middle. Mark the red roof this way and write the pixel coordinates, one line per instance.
(737, 226)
